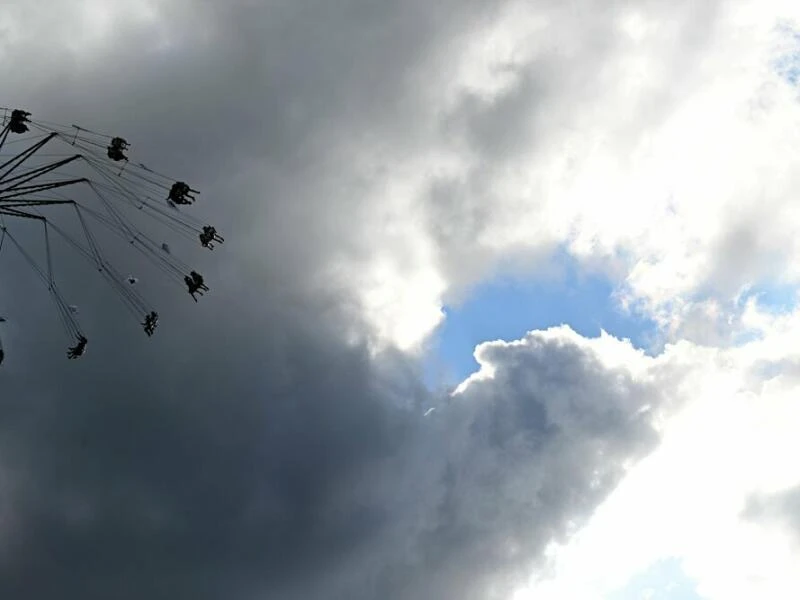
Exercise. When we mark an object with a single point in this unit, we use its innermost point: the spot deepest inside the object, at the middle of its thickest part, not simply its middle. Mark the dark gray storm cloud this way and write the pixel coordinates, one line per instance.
(293, 466)
(253, 449)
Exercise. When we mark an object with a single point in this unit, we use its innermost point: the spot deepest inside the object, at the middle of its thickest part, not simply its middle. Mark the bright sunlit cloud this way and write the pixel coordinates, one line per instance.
(735, 439)
(671, 167)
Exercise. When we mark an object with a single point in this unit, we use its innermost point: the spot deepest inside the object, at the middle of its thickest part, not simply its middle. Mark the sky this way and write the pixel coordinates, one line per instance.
(506, 307)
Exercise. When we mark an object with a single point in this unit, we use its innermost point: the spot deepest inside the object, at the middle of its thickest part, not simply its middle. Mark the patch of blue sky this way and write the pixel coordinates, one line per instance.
(506, 308)
(772, 298)
(787, 64)
(665, 580)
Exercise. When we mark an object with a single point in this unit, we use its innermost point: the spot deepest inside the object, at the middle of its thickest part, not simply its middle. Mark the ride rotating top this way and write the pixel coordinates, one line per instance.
(46, 168)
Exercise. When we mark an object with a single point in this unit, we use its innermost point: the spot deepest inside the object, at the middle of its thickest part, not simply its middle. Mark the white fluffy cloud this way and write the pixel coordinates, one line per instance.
(696, 498)
(656, 142)
(668, 158)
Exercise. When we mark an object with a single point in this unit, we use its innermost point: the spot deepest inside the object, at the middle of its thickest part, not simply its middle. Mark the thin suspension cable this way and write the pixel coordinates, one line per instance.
(90, 238)
(118, 184)
(99, 165)
(48, 254)
(133, 301)
(175, 271)
(69, 321)
(181, 226)
(133, 238)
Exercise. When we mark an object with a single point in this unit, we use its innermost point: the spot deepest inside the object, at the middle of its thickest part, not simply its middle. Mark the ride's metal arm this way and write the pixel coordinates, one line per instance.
(4, 135)
(18, 203)
(23, 156)
(37, 172)
(11, 212)
(41, 187)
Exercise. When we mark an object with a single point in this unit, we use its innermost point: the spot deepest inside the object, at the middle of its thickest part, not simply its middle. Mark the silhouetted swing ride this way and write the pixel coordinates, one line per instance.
(49, 172)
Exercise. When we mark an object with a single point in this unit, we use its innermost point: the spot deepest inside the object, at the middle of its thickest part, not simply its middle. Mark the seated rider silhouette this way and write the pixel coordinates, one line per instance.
(150, 323)
(18, 120)
(181, 193)
(78, 349)
(116, 149)
(208, 236)
(194, 281)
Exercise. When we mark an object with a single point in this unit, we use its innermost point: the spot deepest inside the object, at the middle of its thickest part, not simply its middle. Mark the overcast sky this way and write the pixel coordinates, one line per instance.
(370, 163)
